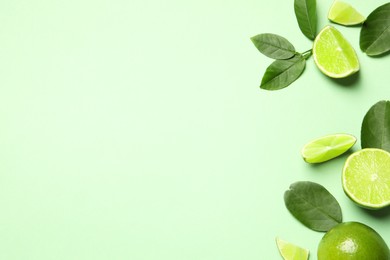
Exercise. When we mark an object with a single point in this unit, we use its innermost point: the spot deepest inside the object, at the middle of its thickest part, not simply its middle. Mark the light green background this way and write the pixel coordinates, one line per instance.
(136, 129)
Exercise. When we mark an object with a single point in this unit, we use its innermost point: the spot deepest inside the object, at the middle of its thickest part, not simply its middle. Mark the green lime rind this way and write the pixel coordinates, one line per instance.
(327, 147)
(352, 240)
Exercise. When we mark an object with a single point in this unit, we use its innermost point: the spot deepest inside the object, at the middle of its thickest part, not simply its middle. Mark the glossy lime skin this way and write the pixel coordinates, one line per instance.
(352, 240)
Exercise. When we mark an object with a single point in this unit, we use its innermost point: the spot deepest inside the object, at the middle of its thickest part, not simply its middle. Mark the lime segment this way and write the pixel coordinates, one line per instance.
(327, 147)
(344, 14)
(333, 54)
(366, 178)
(290, 251)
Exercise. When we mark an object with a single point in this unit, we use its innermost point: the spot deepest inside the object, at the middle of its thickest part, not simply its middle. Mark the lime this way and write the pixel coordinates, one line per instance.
(366, 178)
(352, 240)
(327, 147)
(333, 54)
(343, 13)
(290, 251)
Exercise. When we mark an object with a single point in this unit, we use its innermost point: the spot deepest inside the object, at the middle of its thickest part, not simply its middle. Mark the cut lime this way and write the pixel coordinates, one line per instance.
(344, 14)
(333, 54)
(366, 178)
(327, 147)
(290, 251)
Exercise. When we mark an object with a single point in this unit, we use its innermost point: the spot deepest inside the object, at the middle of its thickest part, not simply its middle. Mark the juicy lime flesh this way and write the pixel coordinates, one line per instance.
(343, 13)
(328, 147)
(366, 178)
(352, 240)
(290, 251)
(333, 54)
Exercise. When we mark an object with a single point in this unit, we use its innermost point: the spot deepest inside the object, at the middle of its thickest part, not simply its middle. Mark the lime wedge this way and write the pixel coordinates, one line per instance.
(366, 178)
(290, 251)
(333, 54)
(344, 14)
(327, 147)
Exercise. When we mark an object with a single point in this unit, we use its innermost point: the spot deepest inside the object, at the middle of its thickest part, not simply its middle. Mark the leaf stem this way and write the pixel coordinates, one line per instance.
(307, 54)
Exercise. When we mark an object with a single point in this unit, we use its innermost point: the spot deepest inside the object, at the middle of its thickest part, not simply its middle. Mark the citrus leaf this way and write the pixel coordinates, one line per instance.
(282, 73)
(375, 132)
(375, 33)
(313, 205)
(306, 14)
(273, 46)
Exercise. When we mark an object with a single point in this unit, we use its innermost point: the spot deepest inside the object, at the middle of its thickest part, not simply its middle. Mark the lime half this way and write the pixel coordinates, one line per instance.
(366, 178)
(290, 251)
(327, 147)
(344, 14)
(333, 54)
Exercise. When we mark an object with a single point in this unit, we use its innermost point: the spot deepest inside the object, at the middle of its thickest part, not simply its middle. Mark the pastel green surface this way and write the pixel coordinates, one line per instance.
(136, 129)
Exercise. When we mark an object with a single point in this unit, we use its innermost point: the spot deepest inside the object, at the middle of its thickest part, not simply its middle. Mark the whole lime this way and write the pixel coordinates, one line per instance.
(352, 240)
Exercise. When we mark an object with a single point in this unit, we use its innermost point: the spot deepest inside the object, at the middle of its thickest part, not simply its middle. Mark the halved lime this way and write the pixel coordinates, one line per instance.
(366, 178)
(333, 54)
(344, 14)
(290, 251)
(327, 147)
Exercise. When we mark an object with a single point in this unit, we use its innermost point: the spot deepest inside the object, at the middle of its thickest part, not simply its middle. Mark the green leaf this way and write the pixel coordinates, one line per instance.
(375, 131)
(273, 46)
(306, 14)
(375, 33)
(313, 206)
(282, 73)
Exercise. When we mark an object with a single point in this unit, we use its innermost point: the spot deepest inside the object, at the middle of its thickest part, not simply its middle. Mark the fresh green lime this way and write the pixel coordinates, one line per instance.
(333, 54)
(327, 147)
(343, 13)
(290, 251)
(366, 178)
(352, 240)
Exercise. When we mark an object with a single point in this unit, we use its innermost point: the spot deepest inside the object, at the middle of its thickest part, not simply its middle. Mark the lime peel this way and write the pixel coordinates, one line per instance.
(352, 240)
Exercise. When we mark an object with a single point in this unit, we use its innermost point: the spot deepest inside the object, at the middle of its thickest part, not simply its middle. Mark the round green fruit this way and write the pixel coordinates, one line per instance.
(352, 240)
